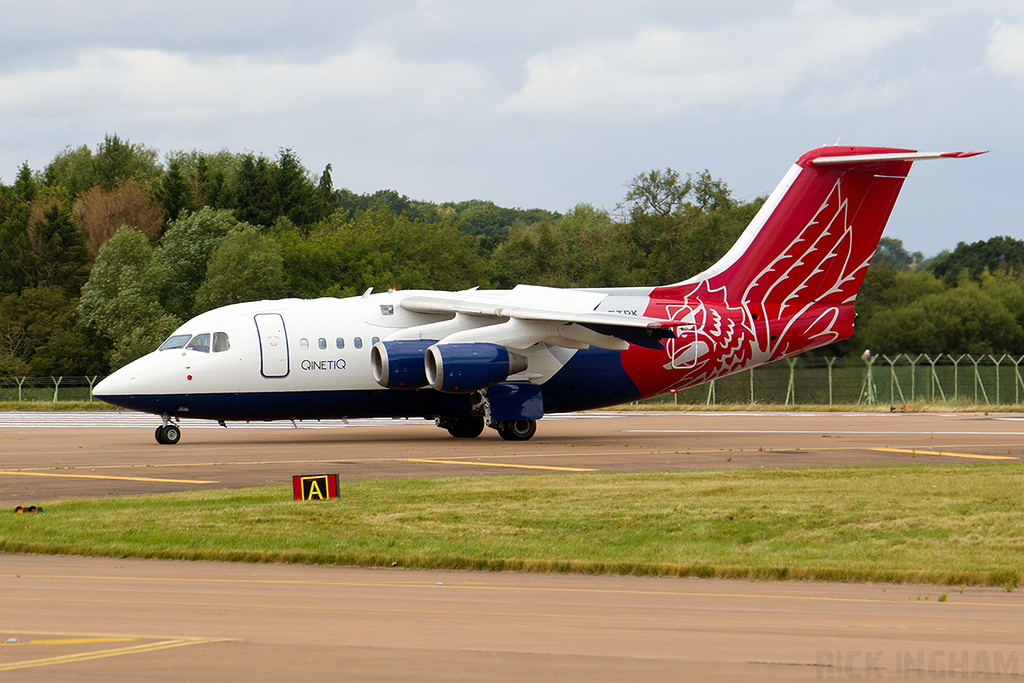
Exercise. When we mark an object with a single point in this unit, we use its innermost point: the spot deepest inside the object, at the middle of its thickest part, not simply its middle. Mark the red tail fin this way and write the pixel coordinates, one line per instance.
(812, 240)
(788, 283)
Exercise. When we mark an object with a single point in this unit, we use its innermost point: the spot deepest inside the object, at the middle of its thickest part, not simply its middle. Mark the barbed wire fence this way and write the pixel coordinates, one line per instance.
(869, 380)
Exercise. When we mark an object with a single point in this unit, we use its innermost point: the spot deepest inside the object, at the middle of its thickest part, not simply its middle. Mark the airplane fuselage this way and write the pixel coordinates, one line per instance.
(319, 366)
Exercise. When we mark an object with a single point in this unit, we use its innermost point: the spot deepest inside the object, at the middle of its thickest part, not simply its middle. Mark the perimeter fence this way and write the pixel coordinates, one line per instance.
(893, 380)
(868, 380)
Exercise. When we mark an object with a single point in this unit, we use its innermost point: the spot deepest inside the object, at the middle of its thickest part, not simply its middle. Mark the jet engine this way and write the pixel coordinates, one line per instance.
(462, 368)
(400, 364)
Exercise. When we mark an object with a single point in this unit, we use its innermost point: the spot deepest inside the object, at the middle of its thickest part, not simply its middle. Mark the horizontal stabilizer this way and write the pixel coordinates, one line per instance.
(858, 159)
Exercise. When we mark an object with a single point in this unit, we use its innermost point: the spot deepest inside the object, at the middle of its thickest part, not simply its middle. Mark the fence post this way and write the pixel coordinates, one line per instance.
(997, 362)
(791, 389)
(751, 386)
(56, 386)
(977, 381)
(934, 380)
(956, 375)
(712, 399)
(893, 380)
(830, 361)
(1017, 381)
(20, 381)
(92, 382)
(867, 387)
(913, 374)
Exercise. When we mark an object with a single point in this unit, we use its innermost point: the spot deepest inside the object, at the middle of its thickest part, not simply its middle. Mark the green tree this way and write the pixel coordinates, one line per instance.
(175, 192)
(890, 252)
(960, 320)
(996, 253)
(677, 228)
(185, 251)
(580, 249)
(40, 335)
(121, 301)
(59, 248)
(379, 249)
(72, 170)
(116, 160)
(17, 260)
(884, 289)
(246, 266)
(26, 186)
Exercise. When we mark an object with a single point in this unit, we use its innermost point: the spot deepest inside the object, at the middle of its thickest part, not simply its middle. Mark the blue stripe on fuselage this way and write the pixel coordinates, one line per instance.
(299, 405)
(593, 378)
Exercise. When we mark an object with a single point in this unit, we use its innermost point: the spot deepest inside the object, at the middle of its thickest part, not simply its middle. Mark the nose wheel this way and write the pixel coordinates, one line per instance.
(168, 434)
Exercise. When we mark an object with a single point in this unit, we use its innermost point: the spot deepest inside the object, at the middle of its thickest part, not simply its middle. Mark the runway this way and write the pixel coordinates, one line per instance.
(57, 456)
(113, 619)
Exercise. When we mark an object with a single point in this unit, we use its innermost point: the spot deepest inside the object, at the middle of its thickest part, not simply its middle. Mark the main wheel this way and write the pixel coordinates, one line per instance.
(466, 427)
(517, 430)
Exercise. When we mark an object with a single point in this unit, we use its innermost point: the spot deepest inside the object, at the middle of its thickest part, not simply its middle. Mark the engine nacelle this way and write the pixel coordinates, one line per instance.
(400, 364)
(462, 368)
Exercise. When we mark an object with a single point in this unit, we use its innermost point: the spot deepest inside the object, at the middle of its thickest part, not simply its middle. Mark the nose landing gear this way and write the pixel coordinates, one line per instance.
(168, 433)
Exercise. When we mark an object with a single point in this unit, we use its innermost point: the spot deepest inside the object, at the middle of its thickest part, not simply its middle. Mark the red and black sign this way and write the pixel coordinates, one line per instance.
(315, 486)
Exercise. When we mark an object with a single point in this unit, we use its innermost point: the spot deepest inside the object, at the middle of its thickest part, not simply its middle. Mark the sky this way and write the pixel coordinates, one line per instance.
(544, 104)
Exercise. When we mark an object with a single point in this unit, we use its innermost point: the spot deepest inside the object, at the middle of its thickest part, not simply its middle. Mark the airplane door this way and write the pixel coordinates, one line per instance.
(273, 345)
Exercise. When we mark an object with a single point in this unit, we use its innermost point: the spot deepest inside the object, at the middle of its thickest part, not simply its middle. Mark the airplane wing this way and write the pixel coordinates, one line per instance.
(529, 314)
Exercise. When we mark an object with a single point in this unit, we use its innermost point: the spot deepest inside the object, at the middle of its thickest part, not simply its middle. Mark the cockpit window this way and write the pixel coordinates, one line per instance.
(200, 342)
(221, 342)
(176, 342)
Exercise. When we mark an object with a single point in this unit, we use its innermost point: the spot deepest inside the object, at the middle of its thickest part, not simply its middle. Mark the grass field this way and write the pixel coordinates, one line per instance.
(956, 524)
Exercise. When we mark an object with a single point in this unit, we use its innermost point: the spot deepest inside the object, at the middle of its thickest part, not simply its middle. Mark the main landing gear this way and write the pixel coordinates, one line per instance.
(168, 433)
(472, 427)
(516, 430)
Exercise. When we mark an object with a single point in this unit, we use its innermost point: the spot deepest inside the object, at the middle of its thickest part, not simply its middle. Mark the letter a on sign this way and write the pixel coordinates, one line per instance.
(315, 486)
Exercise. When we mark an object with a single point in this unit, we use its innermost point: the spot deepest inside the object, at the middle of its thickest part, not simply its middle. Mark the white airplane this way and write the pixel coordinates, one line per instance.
(503, 359)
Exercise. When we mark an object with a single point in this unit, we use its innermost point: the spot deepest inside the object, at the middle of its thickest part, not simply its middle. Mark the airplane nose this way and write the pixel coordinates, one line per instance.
(128, 380)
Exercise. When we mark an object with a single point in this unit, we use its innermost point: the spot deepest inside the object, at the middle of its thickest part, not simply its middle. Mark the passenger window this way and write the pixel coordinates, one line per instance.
(200, 342)
(358, 342)
(374, 340)
(339, 342)
(221, 342)
(387, 309)
(304, 344)
(178, 341)
(322, 343)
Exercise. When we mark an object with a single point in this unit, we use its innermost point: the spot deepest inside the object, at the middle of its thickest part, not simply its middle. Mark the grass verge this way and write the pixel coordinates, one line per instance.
(50, 406)
(936, 524)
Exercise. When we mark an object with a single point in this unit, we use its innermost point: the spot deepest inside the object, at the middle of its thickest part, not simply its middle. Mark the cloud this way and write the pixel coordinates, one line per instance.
(165, 85)
(663, 72)
(1005, 51)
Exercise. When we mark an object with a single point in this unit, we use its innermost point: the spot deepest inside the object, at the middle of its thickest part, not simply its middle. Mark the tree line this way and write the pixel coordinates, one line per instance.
(105, 251)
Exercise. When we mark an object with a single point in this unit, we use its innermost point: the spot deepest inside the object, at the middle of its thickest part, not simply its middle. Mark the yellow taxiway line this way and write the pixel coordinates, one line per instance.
(924, 451)
(103, 476)
(101, 654)
(496, 464)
